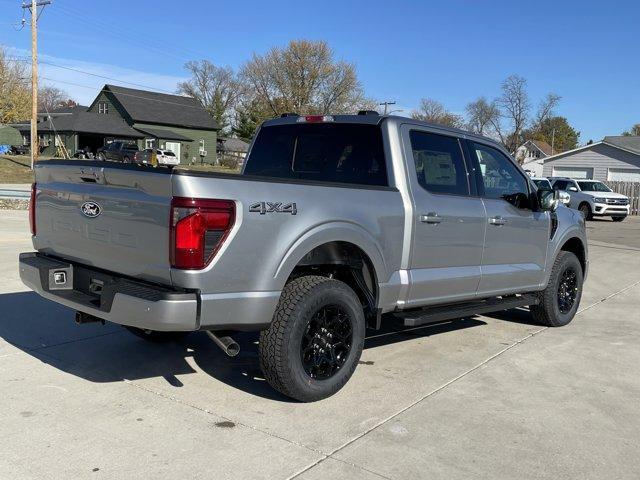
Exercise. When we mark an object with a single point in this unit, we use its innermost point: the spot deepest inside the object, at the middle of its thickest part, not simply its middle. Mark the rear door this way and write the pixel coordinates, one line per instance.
(449, 220)
(124, 225)
(516, 237)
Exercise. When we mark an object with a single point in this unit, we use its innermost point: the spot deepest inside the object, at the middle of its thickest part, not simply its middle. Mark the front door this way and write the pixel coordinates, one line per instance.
(515, 250)
(449, 220)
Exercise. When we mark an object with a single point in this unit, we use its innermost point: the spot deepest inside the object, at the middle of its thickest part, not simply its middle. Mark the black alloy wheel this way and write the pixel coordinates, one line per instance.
(326, 342)
(567, 290)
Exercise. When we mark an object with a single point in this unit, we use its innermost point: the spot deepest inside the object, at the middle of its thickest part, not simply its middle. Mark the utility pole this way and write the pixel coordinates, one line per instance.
(553, 139)
(33, 7)
(386, 105)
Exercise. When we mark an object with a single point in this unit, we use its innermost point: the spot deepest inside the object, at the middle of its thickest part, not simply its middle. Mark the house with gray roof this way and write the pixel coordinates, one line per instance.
(615, 158)
(169, 122)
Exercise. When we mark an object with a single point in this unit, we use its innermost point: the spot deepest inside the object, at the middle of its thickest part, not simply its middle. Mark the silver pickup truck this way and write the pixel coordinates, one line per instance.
(333, 222)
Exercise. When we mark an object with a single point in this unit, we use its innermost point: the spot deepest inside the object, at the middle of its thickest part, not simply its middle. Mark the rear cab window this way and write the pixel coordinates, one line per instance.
(327, 152)
(439, 163)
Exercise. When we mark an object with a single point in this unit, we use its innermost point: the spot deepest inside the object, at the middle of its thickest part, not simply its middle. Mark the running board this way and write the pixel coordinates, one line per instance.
(415, 318)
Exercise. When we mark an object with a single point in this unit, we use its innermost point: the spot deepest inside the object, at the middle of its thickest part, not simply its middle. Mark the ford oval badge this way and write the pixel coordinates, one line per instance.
(91, 209)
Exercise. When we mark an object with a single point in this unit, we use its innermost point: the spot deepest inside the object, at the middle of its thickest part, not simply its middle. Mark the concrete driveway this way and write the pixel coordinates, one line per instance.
(486, 397)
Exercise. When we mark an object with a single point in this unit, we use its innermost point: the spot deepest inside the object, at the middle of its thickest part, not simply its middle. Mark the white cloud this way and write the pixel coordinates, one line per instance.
(83, 87)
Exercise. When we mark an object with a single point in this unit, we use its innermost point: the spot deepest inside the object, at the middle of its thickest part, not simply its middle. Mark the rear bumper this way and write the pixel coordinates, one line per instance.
(145, 305)
(122, 301)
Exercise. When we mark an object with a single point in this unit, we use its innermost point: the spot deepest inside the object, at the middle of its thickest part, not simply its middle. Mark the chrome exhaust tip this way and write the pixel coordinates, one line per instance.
(227, 344)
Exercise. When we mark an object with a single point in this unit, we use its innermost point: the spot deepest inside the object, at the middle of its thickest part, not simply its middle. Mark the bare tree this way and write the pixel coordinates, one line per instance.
(546, 108)
(216, 88)
(303, 77)
(51, 97)
(15, 93)
(483, 117)
(515, 106)
(432, 111)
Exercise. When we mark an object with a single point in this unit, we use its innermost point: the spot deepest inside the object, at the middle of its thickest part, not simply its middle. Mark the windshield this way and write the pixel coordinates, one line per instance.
(593, 187)
(542, 184)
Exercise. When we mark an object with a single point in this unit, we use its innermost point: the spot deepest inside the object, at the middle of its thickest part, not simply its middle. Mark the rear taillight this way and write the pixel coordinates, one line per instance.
(198, 230)
(32, 209)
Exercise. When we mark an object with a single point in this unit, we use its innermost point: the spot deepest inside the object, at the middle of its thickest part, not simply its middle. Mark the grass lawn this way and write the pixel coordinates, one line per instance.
(15, 169)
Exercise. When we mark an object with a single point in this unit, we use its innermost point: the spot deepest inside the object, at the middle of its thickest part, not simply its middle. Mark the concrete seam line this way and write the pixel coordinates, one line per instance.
(318, 462)
(445, 385)
(209, 412)
(608, 297)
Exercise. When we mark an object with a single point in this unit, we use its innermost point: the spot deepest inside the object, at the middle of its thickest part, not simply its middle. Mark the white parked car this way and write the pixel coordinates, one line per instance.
(593, 198)
(165, 157)
(544, 184)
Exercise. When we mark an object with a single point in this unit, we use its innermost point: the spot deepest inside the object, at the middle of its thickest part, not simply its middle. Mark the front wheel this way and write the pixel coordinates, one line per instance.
(559, 301)
(619, 218)
(315, 340)
(585, 209)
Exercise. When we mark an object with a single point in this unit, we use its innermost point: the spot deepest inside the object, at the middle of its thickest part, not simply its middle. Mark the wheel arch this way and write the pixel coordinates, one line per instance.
(577, 247)
(340, 250)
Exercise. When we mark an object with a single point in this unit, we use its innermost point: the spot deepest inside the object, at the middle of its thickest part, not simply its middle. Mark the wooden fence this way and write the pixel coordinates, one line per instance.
(631, 190)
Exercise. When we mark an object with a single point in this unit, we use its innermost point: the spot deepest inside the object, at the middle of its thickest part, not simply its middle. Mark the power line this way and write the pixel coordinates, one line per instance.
(77, 70)
(110, 28)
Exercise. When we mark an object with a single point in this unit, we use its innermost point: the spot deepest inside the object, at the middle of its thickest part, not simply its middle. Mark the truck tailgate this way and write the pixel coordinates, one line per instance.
(105, 216)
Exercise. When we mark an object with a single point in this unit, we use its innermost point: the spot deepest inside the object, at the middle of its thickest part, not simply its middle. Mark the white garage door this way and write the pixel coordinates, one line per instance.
(573, 172)
(624, 175)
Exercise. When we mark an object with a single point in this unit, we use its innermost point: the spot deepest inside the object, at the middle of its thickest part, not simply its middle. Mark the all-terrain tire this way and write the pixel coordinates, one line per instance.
(280, 345)
(585, 209)
(548, 311)
(156, 336)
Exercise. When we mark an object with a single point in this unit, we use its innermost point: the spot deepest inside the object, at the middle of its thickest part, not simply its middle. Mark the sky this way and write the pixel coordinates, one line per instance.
(453, 51)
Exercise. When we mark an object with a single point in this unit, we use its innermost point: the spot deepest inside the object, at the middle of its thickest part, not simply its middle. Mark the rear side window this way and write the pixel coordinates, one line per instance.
(560, 185)
(439, 163)
(340, 153)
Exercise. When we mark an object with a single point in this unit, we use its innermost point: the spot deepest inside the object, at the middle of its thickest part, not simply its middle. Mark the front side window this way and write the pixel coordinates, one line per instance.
(500, 177)
(439, 163)
(326, 152)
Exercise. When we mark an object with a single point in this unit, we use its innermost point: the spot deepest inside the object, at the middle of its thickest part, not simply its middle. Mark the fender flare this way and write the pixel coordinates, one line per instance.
(334, 231)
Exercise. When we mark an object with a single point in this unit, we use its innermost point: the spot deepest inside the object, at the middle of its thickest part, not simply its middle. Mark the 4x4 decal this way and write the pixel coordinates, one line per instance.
(273, 207)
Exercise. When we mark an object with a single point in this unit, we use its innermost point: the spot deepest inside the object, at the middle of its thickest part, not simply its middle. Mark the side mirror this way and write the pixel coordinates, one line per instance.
(572, 189)
(548, 200)
(565, 198)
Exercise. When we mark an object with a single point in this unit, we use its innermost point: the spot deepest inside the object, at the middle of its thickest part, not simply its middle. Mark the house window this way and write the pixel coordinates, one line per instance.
(201, 147)
(57, 141)
(149, 142)
(103, 107)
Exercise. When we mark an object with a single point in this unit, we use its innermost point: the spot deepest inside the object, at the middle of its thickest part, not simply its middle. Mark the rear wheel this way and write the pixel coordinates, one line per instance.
(313, 345)
(156, 336)
(585, 209)
(619, 218)
(559, 301)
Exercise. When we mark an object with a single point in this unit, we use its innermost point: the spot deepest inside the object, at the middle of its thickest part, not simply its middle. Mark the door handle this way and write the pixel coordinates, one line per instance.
(497, 221)
(431, 217)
